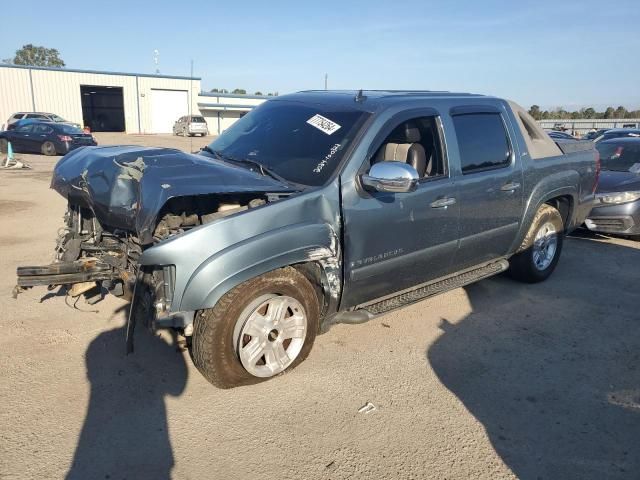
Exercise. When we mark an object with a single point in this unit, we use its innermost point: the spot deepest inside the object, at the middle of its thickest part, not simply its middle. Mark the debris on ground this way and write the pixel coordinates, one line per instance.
(367, 408)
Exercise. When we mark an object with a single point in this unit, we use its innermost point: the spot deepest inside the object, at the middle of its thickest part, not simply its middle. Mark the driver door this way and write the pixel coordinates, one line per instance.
(395, 241)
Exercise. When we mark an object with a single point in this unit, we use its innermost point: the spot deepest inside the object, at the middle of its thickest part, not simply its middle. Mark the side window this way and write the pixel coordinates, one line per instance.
(416, 142)
(482, 141)
(35, 115)
(17, 116)
(42, 129)
(25, 129)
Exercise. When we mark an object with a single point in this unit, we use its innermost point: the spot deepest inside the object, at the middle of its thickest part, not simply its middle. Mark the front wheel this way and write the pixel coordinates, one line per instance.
(541, 248)
(258, 330)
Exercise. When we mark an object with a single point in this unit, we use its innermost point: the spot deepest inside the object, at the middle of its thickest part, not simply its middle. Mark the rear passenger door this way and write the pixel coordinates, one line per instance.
(489, 179)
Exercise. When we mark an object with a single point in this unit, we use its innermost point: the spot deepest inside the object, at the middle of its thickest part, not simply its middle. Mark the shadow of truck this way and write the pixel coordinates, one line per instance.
(558, 389)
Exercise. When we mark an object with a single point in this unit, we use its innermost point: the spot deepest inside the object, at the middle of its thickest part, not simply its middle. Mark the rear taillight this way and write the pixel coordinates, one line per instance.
(65, 138)
(598, 168)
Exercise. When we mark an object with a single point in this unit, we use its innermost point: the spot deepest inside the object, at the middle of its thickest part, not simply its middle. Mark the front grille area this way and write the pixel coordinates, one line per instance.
(609, 224)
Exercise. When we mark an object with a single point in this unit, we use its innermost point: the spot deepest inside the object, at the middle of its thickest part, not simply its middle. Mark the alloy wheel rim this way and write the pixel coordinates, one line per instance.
(270, 334)
(545, 246)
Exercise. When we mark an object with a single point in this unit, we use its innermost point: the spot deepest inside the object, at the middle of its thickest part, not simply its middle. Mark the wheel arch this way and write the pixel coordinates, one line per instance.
(315, 253)
(555, 190)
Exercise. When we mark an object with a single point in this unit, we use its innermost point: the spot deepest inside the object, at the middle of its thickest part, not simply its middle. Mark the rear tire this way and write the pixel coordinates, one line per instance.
(220, 342)
(48, 148)
(540, 249)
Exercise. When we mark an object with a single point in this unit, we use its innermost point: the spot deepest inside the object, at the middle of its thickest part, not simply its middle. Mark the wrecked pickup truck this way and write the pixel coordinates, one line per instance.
(316, 208)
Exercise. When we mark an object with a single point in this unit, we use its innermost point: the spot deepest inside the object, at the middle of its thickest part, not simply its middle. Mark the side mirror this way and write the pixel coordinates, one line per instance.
(391, 176)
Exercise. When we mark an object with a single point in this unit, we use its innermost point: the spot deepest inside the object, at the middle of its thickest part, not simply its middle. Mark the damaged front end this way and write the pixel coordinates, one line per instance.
(125, 200)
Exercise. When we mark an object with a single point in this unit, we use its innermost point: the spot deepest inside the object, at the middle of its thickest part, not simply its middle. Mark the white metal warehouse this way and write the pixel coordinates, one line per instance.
(115, 101)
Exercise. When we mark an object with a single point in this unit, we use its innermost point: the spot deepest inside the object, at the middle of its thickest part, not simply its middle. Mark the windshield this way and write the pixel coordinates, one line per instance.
(56, 118)
(197, 120)
(619, 157)
(301, 143)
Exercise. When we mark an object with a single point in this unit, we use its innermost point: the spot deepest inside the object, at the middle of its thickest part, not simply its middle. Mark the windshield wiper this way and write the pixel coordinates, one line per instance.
(264, 171)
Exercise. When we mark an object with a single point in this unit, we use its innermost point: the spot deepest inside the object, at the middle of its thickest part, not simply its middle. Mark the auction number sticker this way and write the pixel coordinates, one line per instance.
(323, 124)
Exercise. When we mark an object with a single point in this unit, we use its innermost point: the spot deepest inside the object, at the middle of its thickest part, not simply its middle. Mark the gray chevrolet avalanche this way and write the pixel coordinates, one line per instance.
(316, 208)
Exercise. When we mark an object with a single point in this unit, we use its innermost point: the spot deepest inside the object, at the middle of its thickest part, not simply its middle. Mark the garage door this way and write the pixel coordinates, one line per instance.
(166, 107)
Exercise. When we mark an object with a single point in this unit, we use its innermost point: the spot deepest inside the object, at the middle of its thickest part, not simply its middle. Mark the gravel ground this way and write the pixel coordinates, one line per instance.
(496, 380)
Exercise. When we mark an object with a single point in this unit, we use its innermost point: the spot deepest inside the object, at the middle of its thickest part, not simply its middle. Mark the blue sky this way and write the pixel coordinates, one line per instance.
(553, 53)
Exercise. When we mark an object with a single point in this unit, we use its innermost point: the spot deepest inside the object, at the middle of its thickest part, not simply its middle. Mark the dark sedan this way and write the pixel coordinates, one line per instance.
(617, 206)
(617, 133)
(48, 138)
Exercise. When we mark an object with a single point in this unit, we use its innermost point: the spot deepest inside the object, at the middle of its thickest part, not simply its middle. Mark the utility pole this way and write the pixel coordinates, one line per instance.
(326, 77)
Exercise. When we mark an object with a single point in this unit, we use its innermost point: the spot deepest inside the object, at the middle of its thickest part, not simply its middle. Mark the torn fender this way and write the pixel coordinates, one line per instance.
(212, 259)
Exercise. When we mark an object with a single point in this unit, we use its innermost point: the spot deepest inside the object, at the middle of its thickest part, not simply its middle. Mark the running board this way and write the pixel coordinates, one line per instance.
(429, 290)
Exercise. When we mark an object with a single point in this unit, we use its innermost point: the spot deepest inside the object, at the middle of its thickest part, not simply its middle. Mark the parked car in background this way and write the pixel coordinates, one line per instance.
(191, 125)
(48, 138)
(594, 134)
(47, 117)
(317, 208)
(617, 205)
(617, 133)
(557, 135)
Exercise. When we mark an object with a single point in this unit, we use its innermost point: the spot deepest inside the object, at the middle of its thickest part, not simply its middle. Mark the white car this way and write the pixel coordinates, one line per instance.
(191, 125)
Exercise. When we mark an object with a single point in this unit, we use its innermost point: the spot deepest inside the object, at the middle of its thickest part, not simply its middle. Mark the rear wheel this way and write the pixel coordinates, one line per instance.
(258, 330)
(541, 248)
(48, 148)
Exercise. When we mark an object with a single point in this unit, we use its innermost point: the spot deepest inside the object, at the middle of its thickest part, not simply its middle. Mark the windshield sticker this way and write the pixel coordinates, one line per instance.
(323, 124)
(326, 159)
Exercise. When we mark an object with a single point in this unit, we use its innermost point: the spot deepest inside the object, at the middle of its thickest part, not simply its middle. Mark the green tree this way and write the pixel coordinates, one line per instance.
(219, 90)
(621, 112)
(609, 112)
(258, 93)
(240, 91)
(36, 56)
(589, 113)
(534, 111)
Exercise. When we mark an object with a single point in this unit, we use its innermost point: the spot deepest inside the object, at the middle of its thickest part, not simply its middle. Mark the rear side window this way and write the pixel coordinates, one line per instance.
(35, 115)
(17, 116)
(42, 129)
(482, 141)
(25, 129)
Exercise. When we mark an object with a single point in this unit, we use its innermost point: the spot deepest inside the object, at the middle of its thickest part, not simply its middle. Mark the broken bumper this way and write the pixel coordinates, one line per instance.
(65, 273)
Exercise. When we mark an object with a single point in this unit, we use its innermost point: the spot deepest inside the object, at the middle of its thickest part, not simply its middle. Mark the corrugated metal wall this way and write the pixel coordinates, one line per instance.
(15, 92)
(58, 91)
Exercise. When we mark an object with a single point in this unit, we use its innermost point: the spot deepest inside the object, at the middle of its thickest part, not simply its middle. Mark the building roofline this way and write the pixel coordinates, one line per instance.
(98, 72)
(235, 95)
(225, 106)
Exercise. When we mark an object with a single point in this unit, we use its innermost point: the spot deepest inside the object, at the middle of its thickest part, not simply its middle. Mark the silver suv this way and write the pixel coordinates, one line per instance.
(47, 117)
(191, 125)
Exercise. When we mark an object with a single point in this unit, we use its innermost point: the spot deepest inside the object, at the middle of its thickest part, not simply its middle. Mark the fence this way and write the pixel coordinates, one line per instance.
(583, 125)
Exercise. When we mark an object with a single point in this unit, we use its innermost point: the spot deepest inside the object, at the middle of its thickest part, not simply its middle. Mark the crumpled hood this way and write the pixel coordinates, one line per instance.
(126, 186)
(618, 182)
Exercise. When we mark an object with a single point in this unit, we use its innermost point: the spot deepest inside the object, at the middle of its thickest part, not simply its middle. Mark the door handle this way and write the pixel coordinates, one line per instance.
(510, 187)
(443, 202)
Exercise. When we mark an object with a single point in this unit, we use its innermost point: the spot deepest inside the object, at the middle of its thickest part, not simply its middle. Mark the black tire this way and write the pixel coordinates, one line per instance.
(4, 145)
(48, 148)
(212, 344)
(522, 265)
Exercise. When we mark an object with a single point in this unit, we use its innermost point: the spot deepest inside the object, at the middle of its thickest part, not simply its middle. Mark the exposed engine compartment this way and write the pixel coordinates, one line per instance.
(92, 258)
